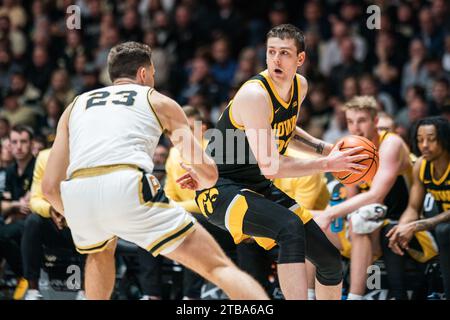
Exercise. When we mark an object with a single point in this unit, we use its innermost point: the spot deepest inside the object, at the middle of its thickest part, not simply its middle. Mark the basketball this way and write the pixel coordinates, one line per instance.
(348, 178)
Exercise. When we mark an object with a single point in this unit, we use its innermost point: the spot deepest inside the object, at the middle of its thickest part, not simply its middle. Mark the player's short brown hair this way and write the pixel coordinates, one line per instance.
(126, 58)
(288, 31)
(363, 103)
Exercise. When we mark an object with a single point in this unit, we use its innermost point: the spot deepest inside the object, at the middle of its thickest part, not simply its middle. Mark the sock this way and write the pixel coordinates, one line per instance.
(352, 296)
(311, 294)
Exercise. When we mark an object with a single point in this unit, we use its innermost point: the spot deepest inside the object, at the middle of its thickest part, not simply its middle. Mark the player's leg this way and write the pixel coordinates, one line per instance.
(265, 219)
(443, 240)
(363, 251)
(327, 260)
(101, 273)
(311, 276)
(201, 253)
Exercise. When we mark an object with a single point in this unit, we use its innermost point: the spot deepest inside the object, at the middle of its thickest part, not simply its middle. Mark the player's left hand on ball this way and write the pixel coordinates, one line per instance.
(189, 180)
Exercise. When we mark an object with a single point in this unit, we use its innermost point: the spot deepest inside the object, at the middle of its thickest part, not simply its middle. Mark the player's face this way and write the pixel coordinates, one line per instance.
(428, 143)
(283, 59)
(360, 123)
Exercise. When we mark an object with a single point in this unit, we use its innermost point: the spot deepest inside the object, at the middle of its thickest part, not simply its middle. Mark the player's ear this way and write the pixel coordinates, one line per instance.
(301, 58)
(141, 74)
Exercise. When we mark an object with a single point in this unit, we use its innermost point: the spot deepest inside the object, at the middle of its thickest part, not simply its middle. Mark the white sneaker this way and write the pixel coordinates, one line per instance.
(33, 294)
(80, 295)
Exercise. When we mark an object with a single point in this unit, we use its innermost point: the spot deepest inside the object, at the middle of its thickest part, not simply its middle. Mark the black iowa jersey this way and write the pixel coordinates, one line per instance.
(439, 189)
(397, 198)
(231, 151)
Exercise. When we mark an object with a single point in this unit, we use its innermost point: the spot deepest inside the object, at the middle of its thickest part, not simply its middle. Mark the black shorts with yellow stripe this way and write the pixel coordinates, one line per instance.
(249, 211)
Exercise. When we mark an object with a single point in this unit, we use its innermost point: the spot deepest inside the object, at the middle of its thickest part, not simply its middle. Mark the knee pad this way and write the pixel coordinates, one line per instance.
(329, 271)
(291, 240)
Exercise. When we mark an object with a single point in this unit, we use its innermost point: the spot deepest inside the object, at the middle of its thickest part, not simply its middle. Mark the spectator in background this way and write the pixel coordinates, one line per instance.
(4, 128)
(440, 96)
(414, 71)
(40, 70)
(74, 47)
(15, 12)
(446, 56)
(406, 23)
(161, 59)
(338, 125)
(28, 95)
(369, 86)
(224, 66)
(387, 68)
(17, 113)
(386, 122)
(186, 35)
(349, 66)
(76, 77)
(60, 87)
(314, 20)
(7, 69)
(247, 66)
(15, 202)
(200, 81)
(350, 88)
(432, 37)
(416, 109)
(90, 79)
(331, 52)
(38, 144)
(15, 36)
(53, 111)
(130, 27)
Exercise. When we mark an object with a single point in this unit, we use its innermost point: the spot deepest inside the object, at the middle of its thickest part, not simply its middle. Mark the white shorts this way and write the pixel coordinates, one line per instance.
(124, 203)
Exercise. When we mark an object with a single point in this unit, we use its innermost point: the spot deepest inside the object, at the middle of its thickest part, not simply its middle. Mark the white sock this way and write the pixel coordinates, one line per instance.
(352, 296)
(311, 294)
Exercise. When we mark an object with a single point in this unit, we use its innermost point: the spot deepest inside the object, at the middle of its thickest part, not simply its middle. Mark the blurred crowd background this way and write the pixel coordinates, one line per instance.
(203, 50)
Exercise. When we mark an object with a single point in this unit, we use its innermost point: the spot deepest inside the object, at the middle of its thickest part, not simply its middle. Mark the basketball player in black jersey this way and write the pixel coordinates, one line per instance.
(431, 174)
(263, 116)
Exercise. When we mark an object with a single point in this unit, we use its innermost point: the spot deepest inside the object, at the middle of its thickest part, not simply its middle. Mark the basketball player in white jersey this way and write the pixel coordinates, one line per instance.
(104, 146)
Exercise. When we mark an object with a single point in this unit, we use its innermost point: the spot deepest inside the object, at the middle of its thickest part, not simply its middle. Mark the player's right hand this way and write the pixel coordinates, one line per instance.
(346, 160)
(190, 179)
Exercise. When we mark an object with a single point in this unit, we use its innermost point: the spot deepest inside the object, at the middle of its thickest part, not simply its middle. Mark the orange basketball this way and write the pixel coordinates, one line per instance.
(371, 163)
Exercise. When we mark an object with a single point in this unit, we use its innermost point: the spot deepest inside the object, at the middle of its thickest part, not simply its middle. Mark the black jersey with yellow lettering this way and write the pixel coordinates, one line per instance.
(397, 198)
(439, 189)
(231, 150)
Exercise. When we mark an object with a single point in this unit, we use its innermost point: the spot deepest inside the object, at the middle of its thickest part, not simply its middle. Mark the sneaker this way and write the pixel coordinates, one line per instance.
(33, 294)
(80, 295)
(21, 289)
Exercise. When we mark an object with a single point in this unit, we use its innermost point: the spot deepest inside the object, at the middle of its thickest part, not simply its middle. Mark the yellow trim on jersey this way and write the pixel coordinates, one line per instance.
(236, 212)
(286, 105)
(101, 170)
(442, 178)
(70, 107)
(168, 235)
(98, 247)
(230, 115)
(153, 110)
(428, 246)
(422, 170)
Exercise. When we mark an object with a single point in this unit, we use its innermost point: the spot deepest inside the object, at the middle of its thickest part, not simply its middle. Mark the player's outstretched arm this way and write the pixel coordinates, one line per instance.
(201, 170)
(57, 164)
(251, 108)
